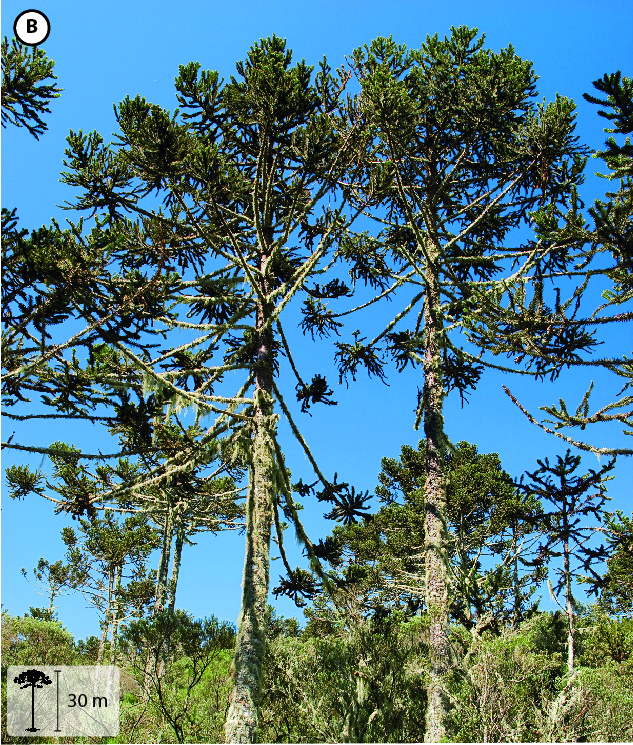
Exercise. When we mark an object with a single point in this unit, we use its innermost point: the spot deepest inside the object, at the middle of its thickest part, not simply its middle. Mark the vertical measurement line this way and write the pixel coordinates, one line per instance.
(57, 672)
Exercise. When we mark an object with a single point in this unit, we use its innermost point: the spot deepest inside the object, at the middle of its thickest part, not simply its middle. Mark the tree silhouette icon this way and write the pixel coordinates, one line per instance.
(34, 679)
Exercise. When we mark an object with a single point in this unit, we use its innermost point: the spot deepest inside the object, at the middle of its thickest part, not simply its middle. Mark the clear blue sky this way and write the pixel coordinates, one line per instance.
(105, 52)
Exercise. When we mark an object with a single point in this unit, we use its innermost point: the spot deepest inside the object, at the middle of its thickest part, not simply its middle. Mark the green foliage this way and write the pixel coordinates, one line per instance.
(616, 586)
(143, 720)
(449, 215)
(53, 580)
(22, 481)
(35, 641)
(494, 697)
(190, 637)
(317, 318)
(613, 219)
(23, 100)
(280, 626)
(607, 641)
(351, 356)
(195, 645)
(600, 707)
(349, 506)
(317, 391)
(447, 148)
(89, 650)
(43, 614)
(486, 517)
(365, 684)
(514, 688)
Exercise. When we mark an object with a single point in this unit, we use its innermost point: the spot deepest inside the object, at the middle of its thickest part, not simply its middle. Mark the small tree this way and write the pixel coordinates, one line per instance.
(565, 526)
(380, 555)
(197, 643)
(53, 580)
(99, 554)
(34, 641)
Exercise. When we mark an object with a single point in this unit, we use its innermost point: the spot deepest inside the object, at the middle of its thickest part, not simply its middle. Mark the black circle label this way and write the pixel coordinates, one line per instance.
(32, 27)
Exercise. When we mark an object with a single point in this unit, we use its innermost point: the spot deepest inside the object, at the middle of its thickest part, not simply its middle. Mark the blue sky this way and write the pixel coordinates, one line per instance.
(105, 52)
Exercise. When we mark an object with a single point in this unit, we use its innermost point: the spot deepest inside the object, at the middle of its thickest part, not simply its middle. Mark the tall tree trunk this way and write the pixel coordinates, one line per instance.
(435, 520)
(161, 593)
(175, 567)
(106, 620)
(179, 529)
(569, 600)
(163, 566)
(116, 615)
(516, 615)
(242, 718)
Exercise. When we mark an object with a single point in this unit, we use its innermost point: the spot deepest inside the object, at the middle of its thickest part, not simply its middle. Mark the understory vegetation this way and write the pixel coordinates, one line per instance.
(365, 681)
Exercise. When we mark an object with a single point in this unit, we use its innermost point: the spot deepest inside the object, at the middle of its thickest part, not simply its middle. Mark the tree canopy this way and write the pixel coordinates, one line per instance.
(431, 177)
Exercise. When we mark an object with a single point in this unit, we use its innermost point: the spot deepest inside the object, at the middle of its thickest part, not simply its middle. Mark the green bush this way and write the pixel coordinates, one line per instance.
(33, 641)
(365, 685)
(606, 640)
(494, 694)
(183, 665)
(516, 687)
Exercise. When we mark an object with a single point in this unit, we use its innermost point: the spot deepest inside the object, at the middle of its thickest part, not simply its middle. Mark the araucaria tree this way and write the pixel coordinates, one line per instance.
(573, 500)
(465, 156)
(381, 556)
(104, 556)
(246, 174)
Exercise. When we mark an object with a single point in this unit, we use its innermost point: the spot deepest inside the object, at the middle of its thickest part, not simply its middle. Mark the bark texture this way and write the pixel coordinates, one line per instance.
(242, 718)
(435, 521)
(175, 567)
(179, 529)
(241, 723)
(116, 616)
(163, 567)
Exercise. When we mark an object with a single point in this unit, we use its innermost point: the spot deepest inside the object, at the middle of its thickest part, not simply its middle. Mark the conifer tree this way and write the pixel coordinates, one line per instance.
(53, 580)
(465, 156)
(381, 555)
(99, 555)
(246, 174)
(566, 532)
(191, 503)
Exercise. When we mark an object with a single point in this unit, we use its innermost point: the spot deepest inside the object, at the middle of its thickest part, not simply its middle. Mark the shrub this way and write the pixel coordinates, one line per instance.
(33, 641)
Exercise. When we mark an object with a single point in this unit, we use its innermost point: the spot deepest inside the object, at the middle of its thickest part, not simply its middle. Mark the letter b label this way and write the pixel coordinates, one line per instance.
(32, 27)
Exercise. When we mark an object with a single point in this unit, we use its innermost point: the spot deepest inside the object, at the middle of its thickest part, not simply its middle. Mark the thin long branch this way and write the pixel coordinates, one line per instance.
(579, 445)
